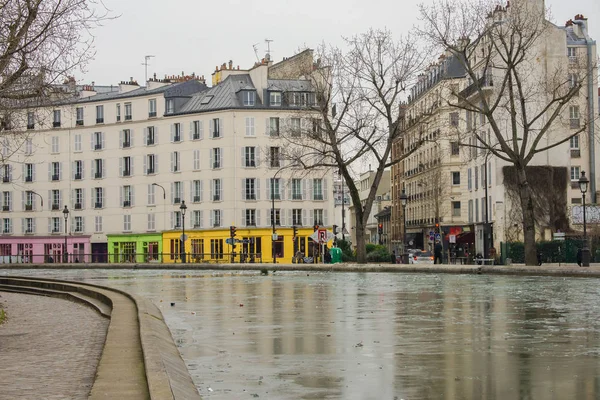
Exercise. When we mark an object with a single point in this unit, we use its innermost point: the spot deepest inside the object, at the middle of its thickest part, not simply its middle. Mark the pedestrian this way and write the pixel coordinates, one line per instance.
(539, 258)
(437, 252)
(579, 256)
(393, 260)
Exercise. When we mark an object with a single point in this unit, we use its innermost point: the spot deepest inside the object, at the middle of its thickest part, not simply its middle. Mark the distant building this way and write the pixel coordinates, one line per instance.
(382, 199)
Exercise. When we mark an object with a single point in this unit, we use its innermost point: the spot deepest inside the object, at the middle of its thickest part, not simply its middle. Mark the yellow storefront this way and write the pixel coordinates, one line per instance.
(252, 245)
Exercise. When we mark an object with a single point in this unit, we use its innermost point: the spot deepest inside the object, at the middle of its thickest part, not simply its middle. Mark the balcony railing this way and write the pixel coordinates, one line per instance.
(127, 203)
(79, 122)
(6, 179)
(98, 146)
(296, 196)
(5, 208)
(196, 199)
(77, 206)
(177, 200)
(127, 172)
(216, 165)
(98, 205)
(98, 175)
(575, 153)
(55, 177)
(216, 197)
(127, 117)
(149, 142)
(28, 207)
(150, 171)
(29, 179)
(126, 144)
(55, 206)
(177, 138)
(484, 82)
(318, 197)
(77, 176)
(56, 124)
(152, 114)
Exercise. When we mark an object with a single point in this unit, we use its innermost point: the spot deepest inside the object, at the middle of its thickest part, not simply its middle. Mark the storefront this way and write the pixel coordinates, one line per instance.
(44, 249)
(145, 247)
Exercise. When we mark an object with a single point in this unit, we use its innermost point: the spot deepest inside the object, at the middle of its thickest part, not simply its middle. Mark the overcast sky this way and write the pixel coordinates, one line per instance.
(195, 36)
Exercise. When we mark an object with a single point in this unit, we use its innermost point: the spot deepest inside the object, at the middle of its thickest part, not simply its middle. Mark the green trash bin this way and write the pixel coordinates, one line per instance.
(336, 255)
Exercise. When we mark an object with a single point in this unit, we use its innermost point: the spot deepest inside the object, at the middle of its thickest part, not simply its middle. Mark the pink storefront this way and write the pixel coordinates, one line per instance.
(44, 249)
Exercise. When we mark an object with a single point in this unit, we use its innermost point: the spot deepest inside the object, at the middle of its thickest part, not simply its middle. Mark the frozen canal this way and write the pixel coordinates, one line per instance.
(375, 336)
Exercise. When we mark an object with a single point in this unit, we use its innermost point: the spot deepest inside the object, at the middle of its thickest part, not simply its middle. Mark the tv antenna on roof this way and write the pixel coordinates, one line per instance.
(254, 46)
(268, 42)
(145, 63)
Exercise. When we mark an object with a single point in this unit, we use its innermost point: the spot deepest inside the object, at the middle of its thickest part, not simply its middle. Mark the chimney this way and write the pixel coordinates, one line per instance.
(230, 64)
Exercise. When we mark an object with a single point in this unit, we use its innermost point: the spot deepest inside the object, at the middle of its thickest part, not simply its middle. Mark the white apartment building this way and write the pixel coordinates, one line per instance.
(123, 162)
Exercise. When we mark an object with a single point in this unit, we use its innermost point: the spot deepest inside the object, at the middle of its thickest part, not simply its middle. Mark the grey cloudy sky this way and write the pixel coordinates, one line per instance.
(195, 36)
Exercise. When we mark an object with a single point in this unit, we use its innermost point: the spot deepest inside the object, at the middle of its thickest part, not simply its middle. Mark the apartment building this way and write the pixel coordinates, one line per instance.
(122, 163)
(461, 191)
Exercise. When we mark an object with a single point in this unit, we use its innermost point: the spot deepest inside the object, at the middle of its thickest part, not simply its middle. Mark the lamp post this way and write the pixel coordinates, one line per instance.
(274, 235)
(404, 201)
(585, 252)
(65, 254)
(183, 208)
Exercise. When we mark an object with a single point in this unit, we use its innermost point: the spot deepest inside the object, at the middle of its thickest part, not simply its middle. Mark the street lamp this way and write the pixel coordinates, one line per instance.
(585, 252)
(274, 235)
(182, 207)
(65, 254)
(404, 201)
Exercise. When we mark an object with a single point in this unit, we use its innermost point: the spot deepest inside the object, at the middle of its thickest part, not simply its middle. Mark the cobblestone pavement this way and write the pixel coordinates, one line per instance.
(49, 348)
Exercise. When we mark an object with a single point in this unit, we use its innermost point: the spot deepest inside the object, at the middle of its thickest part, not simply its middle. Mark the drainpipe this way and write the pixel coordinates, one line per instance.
(590, 83)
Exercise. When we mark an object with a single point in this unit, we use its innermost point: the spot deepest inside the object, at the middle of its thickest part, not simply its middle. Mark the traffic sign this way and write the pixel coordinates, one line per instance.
(183, 237)
(228, 240)
(438, 236)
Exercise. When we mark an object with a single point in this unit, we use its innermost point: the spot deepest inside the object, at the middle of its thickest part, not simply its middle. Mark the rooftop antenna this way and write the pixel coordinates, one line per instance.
(255, 47)
(145, 63)
(268, 56)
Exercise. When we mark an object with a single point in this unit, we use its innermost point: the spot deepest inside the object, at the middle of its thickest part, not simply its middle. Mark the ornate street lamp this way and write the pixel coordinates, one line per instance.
(65, 254)
(404, 202)
(585, 252)
(183, 208)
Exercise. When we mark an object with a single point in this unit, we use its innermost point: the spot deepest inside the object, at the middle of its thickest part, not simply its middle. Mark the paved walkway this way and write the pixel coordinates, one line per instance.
(49, 348)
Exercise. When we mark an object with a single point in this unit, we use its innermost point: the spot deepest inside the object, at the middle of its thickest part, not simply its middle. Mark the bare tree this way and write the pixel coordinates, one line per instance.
(515, 85)
(42, 42)
(356, 115)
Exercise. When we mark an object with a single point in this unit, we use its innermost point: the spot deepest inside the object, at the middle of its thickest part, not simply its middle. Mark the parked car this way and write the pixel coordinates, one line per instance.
(420, 257)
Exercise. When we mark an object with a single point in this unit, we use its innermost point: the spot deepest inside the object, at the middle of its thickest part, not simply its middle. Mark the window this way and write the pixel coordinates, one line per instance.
(55, 171)
(29, 146)
(297, 217)
(476, 178)
(6, 201)
(29, 172)
(176, 132)
(250, 189)
(151, 195)
(55, 225)
(469, 179)
(100, 114)
(196, 191)
(275, 188)
(483, 182)
(125, 138)
(151, 222)
(78, 197)
(127, 196)
(216, 189)
(470, 211)
(295, 125)
(454, 149)
(275, 99)
(98, 168)
(250, 126)
(216, 247)
(55, 199)
(455, 178)
(574, 116)
(197, 219)
(29, 201)
(216, 158)
(170, 106)
(78, 224)
(97, 141)
(273, 128)
(297, 189)
(215, 218)
(196, 160)
(573, 80)
(151, 164)
(118, 112)
(98, 196)
(77, 146)
(574, 142)
(128, 112)
(29, 225)
(30, 120)
(317, 128)
(456, 208)
(98, 223)
(476, 210)
(215, 127)
(483, 210)
(250, 217)
(249, 156)
(575, 173)
(79, 116)
(274, 155)
(151, 108)
(56, 119)
(150, 139)
(6, 225)
(198, 246)
(6, 175)
(317, 189)
(126, 223)
(176, 192)
(571, 52)
(197, 130)
(175, 162)
(318, 216)
(249, 97)
(454, 119)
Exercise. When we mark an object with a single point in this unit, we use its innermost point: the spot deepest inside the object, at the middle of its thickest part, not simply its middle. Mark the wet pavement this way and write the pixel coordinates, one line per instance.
(299, 335)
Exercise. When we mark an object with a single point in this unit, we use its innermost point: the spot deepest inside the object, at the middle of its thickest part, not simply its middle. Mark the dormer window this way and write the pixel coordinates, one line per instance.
(170, 106)
(275, 99)
(249, 98)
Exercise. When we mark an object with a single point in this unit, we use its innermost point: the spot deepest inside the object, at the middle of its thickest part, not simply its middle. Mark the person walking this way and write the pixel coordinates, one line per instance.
(579, 256)
(437, 253)
(393, 260)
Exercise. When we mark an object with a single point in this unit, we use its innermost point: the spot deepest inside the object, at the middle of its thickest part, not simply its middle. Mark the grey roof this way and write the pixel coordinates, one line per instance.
(571, 37)
(289, 85)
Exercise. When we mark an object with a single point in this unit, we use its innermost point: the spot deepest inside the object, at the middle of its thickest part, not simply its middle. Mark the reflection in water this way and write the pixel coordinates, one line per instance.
(376, 336)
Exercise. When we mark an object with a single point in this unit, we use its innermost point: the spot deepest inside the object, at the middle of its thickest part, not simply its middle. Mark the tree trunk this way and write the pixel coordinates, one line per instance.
(528, 218)
(361, 245)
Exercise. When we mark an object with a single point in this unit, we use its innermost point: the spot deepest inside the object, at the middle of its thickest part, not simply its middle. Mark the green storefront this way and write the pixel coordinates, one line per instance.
(135, 248)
